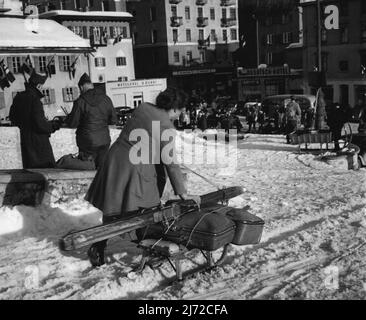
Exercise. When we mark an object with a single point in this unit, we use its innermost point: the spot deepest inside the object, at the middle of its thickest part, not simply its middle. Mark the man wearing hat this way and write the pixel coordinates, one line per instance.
(91, 114)
(27, 113)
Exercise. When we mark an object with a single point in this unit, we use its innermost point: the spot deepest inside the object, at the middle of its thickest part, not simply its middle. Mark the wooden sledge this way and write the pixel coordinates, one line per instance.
(175, 254)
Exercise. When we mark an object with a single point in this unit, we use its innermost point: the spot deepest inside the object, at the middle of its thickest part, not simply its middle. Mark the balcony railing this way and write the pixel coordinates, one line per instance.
(202, 22)
(176, 21)
(175, 1)
(228, 22)
(226, 3)
(203, 43)
(201, 2)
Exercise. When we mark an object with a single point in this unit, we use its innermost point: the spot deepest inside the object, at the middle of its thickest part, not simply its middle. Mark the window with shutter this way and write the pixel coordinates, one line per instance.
(124, 32)
(47, 96)
(65, 63)
(15, 64)
(42, 64)
(100, 62)
(121, 61)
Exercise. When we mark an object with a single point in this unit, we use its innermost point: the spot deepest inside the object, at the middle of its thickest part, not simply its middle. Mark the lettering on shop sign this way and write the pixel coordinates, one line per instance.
(138, 83)
(331, 21)
(189, 72)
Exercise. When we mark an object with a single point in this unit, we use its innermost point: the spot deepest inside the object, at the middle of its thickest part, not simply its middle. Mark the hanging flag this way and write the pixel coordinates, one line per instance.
(117, 39)
(9, 75)
(72, 69)
(50, 68)
(4, 83)
(104, 36)
(208, 41)
(27, 66)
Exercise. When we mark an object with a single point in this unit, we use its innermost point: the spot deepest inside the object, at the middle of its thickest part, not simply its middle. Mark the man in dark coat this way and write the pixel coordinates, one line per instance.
(27, 113)
(336, 119)
(91, 114)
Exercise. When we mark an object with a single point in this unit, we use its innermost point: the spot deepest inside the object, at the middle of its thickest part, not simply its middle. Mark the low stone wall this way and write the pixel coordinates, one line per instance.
(49, 186)
(42, 186)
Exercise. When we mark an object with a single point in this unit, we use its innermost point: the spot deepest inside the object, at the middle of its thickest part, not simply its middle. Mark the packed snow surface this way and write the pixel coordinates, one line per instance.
(313, 245)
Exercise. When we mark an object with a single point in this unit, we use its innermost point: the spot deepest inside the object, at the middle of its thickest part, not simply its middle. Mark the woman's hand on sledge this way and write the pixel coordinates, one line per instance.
(196, 199)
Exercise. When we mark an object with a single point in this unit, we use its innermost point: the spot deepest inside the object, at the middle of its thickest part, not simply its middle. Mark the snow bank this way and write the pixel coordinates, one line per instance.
(43, 221)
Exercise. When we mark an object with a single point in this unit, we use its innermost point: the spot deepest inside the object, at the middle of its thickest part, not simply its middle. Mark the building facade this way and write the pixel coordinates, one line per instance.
(272, 35)
(79, 5)
(49, 47)
(343, 51)
(189, 42)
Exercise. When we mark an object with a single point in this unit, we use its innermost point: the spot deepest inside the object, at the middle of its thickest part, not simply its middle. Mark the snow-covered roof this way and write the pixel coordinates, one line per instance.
(87, 15)
(21, 35)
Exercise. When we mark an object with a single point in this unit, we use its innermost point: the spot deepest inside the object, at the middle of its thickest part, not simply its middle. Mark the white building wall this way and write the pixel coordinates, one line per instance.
(111, 72)
(57, 82)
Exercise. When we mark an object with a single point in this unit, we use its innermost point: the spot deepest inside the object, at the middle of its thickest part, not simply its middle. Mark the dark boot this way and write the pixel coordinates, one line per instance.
(96, 253)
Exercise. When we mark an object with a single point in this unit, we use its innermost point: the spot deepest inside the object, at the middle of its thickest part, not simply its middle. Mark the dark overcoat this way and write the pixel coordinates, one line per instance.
(27, 113)
(122, 186)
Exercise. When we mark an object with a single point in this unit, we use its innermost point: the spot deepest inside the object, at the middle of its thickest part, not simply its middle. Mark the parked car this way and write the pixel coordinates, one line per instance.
(123, 114)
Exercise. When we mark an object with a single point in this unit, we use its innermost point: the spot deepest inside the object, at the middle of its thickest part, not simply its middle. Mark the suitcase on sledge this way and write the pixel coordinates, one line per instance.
(249, 228)
(208, 229)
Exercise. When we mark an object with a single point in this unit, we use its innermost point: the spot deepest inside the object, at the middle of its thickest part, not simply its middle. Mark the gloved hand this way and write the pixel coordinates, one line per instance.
(196, 199)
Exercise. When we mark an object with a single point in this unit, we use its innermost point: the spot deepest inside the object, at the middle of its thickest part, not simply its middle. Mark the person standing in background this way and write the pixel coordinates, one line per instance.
(293, 118)
(336, 118)
(27, 113)
(91, 114)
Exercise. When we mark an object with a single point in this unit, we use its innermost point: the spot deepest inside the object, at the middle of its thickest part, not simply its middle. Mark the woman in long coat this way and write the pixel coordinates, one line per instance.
(27, 113)
(124, 185)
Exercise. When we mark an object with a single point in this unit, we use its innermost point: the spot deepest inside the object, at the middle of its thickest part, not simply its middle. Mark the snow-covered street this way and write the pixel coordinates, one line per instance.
(313, 245)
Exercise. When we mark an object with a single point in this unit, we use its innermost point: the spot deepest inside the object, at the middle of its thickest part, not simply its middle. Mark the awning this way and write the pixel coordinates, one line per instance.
(19, 35)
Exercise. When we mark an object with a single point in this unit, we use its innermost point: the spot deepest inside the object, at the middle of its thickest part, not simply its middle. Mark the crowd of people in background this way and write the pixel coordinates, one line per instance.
(284, 118)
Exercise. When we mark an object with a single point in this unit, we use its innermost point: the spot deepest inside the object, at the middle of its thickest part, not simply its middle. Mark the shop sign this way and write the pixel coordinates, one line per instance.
(190, 72)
